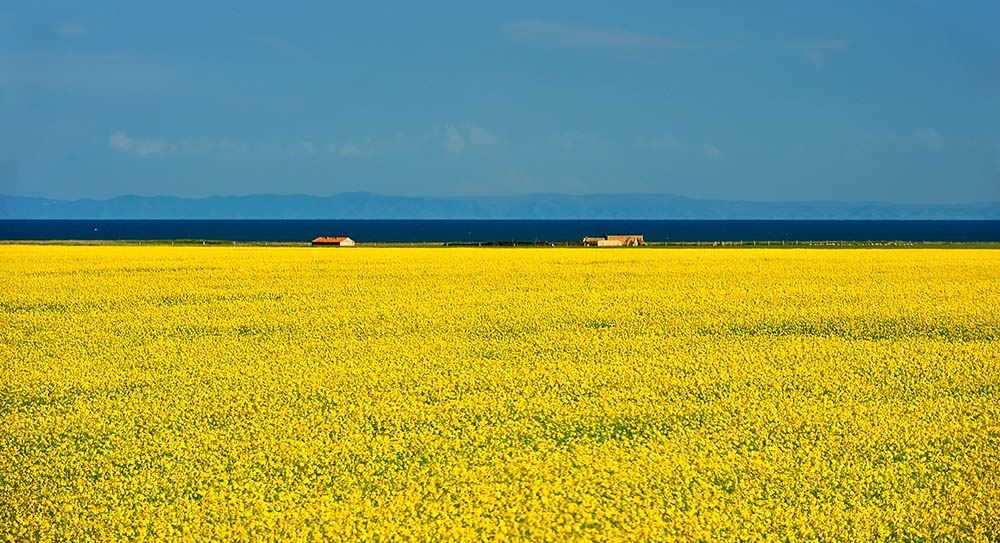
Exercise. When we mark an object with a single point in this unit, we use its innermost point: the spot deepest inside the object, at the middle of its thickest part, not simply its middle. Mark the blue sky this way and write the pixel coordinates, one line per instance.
(892, 101)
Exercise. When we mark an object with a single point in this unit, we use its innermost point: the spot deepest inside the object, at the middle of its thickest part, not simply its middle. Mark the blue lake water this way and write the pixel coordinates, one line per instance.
(404, 231)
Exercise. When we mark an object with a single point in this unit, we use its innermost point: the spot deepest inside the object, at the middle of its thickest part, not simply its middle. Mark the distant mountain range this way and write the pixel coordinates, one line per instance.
(364, 205)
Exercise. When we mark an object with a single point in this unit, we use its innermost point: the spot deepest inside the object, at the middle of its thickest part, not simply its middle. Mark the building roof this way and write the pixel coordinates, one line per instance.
(337, 239)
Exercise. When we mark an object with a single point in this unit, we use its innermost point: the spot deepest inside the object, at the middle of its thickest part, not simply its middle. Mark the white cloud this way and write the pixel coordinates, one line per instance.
(711, 151)
(143, 148)
(454, 141)
(454, 138)
(71, 29)
(931, 138)
(371, 146)
(558, 34)
(352, 151)
(203, 147)
(402, 142)
(366, 147)
(303, 148)
(467, 136)
(815, 52)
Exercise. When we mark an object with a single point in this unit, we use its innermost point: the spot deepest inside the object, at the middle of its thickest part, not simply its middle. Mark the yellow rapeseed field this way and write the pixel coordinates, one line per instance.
(239, 393)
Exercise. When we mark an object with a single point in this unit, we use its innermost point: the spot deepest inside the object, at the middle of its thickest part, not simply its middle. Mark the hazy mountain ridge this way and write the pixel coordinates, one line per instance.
(363, 205)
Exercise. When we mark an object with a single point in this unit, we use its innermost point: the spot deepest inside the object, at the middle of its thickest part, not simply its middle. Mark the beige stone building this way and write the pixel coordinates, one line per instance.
(338, 241)
(630, 240)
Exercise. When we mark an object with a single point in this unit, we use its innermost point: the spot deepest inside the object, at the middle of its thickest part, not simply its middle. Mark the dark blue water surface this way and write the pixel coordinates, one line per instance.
(403, 231)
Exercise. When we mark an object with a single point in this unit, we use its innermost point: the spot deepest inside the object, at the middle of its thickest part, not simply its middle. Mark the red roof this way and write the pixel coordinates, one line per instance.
(322, 239)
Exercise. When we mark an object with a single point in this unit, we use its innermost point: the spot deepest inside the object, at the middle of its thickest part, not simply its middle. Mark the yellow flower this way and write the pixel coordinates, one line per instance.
(251, 394)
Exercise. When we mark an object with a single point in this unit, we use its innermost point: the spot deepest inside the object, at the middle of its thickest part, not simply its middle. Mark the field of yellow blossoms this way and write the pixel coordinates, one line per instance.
(427, 394)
